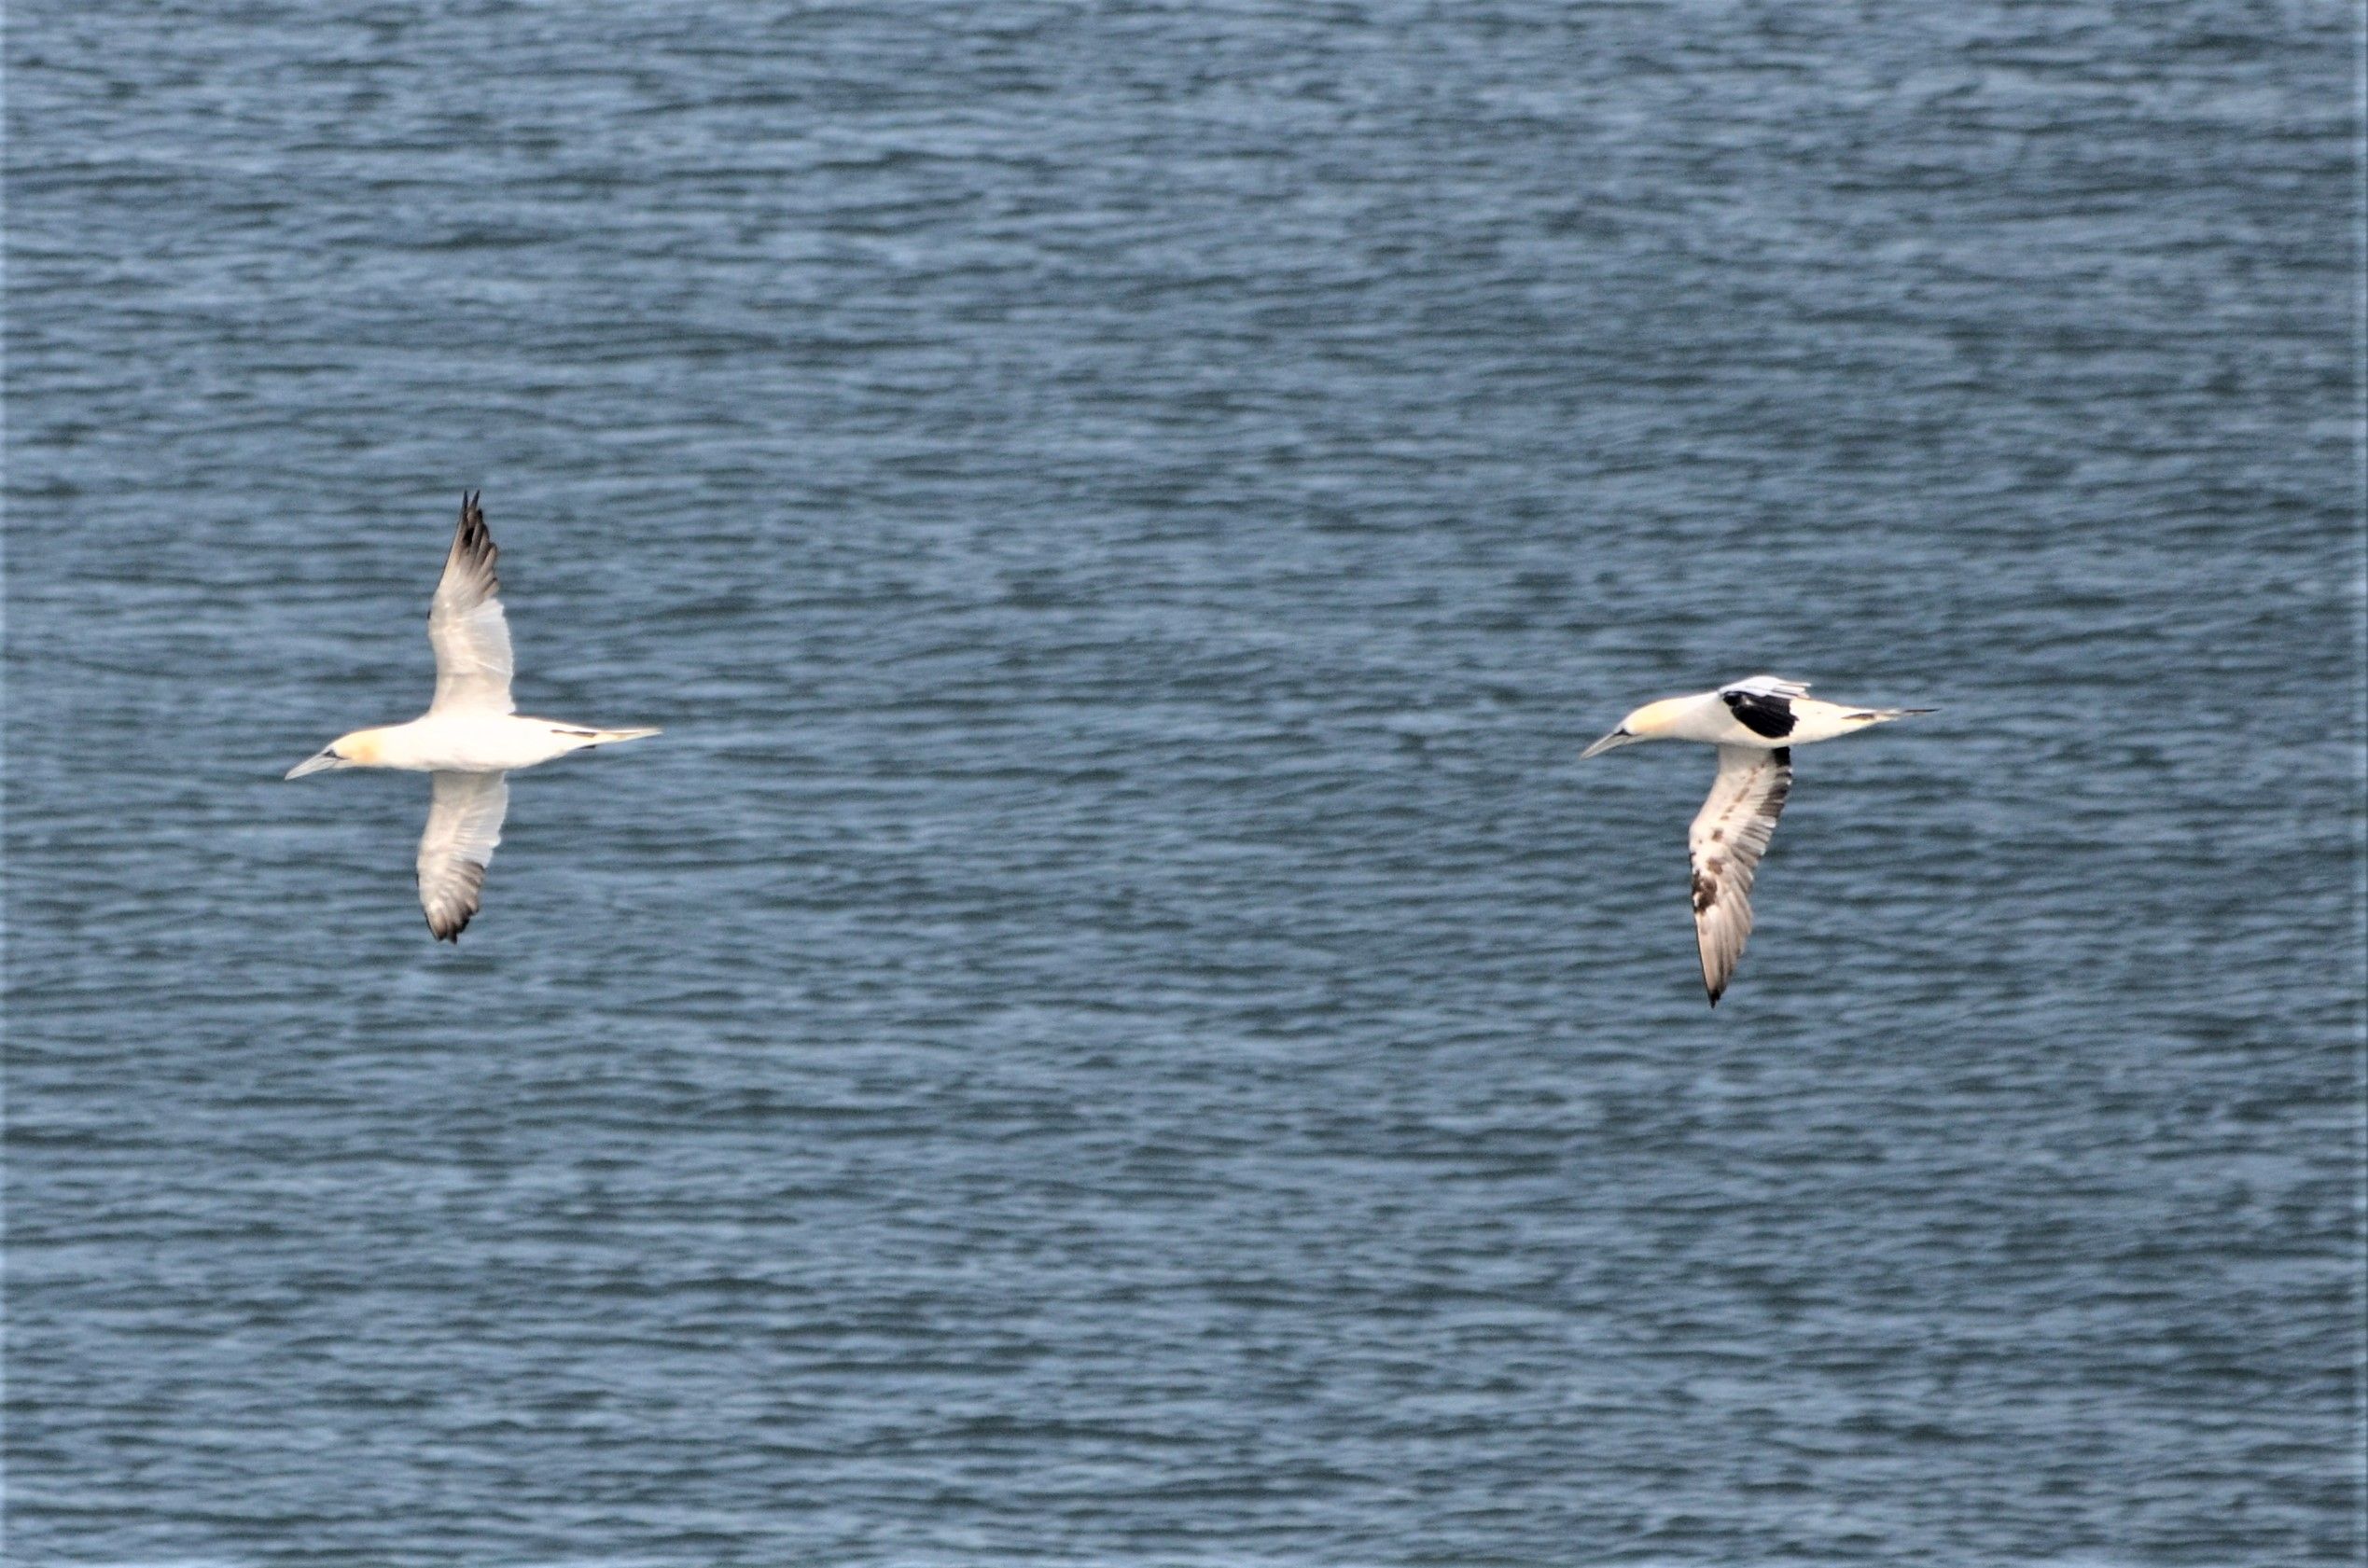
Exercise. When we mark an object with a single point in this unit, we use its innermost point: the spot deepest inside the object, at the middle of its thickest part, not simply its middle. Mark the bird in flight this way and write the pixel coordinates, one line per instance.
(471, 737)
(1755, 724)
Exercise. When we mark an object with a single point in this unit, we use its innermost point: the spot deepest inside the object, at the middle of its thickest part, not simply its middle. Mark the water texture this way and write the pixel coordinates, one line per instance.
(1113, 1028)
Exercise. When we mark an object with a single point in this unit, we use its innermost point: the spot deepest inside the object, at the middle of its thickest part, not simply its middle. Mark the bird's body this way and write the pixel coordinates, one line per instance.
(473, 741)
(469, 738)
(1755, 724)
(1761, 712)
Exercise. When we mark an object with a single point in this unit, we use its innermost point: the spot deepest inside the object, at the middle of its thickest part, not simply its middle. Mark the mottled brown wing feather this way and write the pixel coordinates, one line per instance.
(1729, 836)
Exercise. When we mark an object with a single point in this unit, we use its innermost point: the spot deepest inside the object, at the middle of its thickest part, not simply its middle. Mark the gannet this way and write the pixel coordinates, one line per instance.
(469, 739)
(1755, 724)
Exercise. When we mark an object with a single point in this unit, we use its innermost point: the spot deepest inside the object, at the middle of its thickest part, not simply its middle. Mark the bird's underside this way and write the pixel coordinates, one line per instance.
(471, 737)
(1755, 724)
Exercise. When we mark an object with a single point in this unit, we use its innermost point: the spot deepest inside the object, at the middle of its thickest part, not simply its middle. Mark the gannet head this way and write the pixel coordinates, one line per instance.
(1651, 722)
(361, 749)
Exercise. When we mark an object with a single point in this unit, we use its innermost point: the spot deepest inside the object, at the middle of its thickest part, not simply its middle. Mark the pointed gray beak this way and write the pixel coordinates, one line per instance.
(314, 765)
(1616, 738)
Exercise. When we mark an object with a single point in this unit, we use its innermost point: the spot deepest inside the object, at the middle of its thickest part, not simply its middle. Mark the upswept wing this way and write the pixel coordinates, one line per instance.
(465, 624)
(464, 824)
(1729, 836)
(1767, 685)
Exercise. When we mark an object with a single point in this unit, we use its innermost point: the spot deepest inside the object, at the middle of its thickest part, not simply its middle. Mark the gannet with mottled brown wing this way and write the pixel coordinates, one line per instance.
(1755, 724)
(470, 739)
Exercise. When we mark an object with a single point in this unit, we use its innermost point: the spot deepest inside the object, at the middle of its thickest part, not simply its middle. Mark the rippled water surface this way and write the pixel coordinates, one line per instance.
(1113, 1028)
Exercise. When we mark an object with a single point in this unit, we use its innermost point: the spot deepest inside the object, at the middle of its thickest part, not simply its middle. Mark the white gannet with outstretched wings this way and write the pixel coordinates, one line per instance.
(470, 739)
(1755, 724)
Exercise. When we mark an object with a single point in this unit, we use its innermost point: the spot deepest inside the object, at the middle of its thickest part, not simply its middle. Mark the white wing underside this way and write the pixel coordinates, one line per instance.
(466, 625)
(464, 824)
(1729, 836)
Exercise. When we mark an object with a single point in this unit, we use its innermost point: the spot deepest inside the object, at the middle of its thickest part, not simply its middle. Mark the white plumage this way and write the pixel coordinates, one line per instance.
(470, 738)
(1755, 724)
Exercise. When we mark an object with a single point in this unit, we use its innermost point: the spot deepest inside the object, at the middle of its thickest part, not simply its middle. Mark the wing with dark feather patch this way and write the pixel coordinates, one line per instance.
(466, 625)
(1729, 836)
(1762, 713)
(464, 824)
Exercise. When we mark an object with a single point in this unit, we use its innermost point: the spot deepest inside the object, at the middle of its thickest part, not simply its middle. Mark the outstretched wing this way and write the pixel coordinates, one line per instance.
(466, 626)
(464, 824)
(1729, 836)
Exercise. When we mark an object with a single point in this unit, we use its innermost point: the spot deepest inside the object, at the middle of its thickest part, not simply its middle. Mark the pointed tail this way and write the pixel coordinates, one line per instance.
(609, 737)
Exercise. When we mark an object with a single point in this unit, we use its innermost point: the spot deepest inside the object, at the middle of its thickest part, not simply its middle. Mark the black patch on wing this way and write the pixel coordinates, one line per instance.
(473, 543)
(1760, 712)
(1781, 791)
(1706, 888)
(451, 916)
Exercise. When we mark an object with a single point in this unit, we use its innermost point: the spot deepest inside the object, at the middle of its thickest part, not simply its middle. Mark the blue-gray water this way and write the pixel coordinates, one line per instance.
(1112, 1028)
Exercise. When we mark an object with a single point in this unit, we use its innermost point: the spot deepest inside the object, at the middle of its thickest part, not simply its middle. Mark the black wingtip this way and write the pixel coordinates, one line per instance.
(472, 541)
